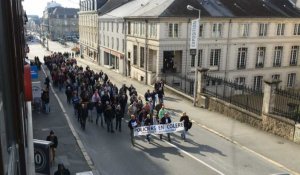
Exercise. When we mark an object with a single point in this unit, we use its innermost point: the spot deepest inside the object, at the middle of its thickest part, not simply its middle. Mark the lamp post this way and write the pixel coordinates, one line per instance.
(195, 53)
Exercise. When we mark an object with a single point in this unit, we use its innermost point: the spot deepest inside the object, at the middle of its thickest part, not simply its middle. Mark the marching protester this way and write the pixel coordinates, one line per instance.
(165, 120)
(109, 115)
(45, 100)
(133, 123)
(119, 117)
(83, 114)
(99, 109)
(186, 124)
(61, 170)
(148, 121)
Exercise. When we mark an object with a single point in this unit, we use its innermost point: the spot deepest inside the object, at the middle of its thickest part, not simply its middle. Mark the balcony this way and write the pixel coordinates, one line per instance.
(259, 65)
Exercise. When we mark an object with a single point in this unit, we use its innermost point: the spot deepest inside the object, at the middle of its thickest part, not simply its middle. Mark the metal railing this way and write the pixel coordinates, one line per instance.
(179, 82)
(286, 103)
(234, 93)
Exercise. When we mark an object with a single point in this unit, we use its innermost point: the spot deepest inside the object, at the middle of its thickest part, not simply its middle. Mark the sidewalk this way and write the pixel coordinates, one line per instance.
(273, 149)
(68, 151)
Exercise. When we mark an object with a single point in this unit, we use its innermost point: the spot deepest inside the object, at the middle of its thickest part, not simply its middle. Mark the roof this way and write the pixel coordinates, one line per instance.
(111, 5)
(61, 11)
(100, 3)
(209, 8)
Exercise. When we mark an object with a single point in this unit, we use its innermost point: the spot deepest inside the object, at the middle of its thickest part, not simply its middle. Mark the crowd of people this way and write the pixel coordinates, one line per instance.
(93, 92)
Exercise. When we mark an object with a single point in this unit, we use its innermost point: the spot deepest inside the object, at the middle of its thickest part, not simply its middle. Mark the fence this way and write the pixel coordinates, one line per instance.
(179, 82)
(286, 104)
(240, 95)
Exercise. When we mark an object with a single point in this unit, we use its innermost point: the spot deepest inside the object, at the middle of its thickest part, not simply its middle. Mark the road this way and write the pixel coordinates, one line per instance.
(205, 153)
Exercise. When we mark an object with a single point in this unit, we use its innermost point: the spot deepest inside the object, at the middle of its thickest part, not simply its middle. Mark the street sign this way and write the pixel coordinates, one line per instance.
(194, 34)
(42, 156)
(34, 72)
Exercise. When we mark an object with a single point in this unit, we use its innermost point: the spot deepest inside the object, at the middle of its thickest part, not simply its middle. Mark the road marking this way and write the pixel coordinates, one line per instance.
(224, 137)
(77, 138)
(248, 149)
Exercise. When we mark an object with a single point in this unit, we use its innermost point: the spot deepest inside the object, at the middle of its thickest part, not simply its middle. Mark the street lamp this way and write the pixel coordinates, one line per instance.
(196, 55)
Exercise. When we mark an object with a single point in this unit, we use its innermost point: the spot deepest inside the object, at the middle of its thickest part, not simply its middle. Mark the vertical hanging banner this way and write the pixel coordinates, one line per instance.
(194, 34)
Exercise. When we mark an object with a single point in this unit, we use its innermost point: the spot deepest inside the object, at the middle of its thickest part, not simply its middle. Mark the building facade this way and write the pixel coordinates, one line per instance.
(60, 23)
(112, 35)
(244, 47)
(88, 28)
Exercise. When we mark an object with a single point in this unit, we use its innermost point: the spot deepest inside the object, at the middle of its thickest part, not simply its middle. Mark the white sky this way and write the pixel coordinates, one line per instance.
(36, 7)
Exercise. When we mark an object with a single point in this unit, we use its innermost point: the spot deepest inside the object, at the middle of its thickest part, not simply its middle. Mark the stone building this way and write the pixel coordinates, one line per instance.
(59, 22)
(88, 28)
(243, 41)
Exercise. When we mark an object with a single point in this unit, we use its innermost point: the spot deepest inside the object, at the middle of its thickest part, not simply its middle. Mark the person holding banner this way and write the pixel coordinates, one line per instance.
(133, 123)
(147, 122)
(165, 120)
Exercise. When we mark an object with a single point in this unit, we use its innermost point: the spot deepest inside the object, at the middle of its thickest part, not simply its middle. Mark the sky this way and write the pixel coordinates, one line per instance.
(36, 7)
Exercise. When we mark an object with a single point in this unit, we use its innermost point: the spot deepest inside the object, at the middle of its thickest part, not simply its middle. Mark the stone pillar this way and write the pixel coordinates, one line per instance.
(201, 81)
(269, 96)
(201, 100)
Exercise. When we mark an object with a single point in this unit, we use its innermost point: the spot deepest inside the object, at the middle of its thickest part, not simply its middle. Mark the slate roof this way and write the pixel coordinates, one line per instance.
(217, 8)
(61, 12)
(100, 3)
(111, 5)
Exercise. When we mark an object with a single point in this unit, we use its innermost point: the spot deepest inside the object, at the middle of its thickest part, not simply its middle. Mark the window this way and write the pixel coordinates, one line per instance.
(112, 26)
(297, 29)
(129, 28)
(260, 57)
(142, 29)
(135, 55)
(173, 30)
(277, 56)
(257, 85)
(280, 29)
(291, 80)
(117, 27)
(152, 30)
(215, 55)
(107, 41)
(263, 28)
(240, 80)
(103, 40)
(201, 30)
(294, 55)
(142, 58)
(117, 43)
(217, 30)
(112, 43)
(276, 77)
(123, 45)
(199, 59)
(242, 56)
(244, 30)
(107, 26)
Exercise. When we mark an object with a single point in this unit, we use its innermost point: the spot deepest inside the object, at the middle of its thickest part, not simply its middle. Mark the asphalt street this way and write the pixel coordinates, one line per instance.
(205, 153)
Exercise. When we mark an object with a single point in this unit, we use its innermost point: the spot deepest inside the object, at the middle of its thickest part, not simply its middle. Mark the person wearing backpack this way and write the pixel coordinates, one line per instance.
(186, 123)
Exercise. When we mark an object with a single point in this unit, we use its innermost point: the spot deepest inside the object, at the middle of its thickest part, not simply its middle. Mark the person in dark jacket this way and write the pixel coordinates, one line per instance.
(109, 116)
(52, 138)
(83, 114)
(133, 123)
(119, 116)
(123, 102)
(147, 122)
(186, 121)
(99, 109)
(69, 93)
(147, 95)
(46, 100)
(61, 170)
(165, 120)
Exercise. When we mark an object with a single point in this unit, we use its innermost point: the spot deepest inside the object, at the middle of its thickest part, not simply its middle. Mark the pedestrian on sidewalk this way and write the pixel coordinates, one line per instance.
(46, 100)
(133, 123)
(61, 170)
(52, 138)
(186, 123)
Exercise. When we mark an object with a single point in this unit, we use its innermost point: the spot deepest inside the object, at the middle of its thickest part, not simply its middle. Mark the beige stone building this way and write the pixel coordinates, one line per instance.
(59, 22)
(88, 28)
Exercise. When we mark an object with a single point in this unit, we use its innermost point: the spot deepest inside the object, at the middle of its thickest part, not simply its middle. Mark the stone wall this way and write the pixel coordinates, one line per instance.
(279, 126)
(297, 134)
(234, 112)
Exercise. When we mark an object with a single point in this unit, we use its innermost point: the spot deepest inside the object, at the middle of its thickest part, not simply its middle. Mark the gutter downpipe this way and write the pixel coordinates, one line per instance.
(146, 52)
(125, 47)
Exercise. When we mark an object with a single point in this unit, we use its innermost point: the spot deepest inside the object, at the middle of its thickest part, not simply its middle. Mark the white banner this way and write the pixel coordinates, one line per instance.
(194, 34)
(159, 129)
